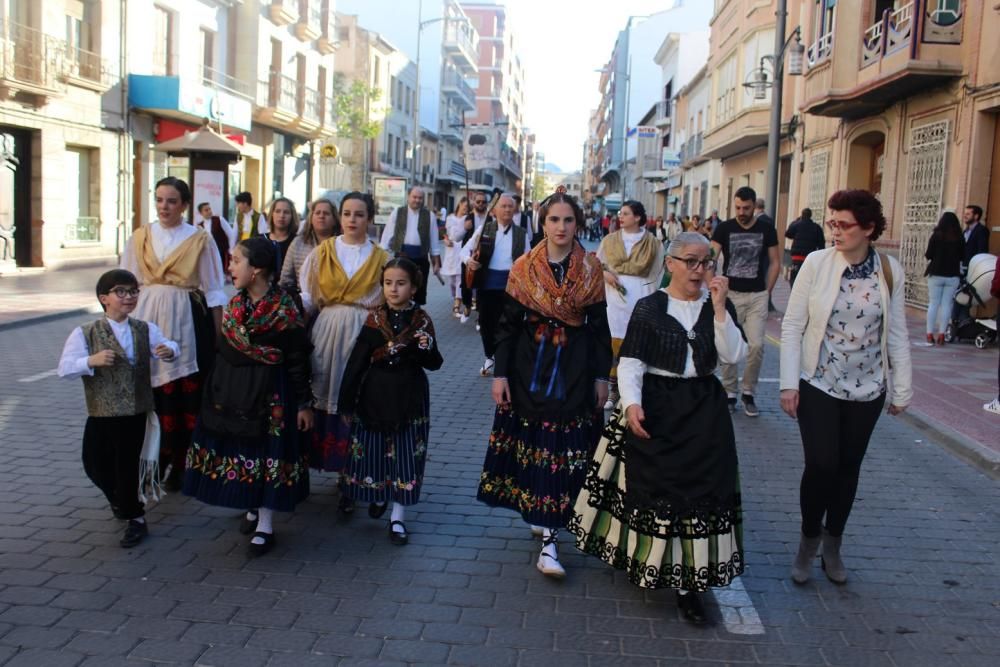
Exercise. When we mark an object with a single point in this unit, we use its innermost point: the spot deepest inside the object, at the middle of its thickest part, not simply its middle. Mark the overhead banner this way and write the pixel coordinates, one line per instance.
(482, 147)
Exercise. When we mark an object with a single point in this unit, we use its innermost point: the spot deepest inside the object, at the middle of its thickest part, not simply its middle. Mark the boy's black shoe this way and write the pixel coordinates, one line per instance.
(135, 532)
(691, 608)
(749, 407)
(731, 401)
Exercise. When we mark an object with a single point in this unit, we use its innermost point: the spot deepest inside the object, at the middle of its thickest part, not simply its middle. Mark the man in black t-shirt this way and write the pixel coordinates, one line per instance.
(806, 237)
(749, 247)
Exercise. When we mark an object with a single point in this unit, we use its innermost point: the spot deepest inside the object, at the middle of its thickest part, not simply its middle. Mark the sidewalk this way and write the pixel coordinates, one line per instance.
(38, 295)
(950, 385)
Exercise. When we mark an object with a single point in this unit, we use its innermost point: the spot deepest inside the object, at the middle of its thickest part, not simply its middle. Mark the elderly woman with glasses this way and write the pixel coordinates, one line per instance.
(662, 496)
(843, 329)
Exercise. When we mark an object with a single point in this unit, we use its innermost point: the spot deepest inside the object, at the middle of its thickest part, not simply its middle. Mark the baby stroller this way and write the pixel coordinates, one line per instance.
(974, 313)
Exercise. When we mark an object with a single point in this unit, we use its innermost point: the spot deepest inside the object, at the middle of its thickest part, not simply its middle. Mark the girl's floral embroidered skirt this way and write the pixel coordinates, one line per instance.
(387, 466)
(537, 467)
(271, 471)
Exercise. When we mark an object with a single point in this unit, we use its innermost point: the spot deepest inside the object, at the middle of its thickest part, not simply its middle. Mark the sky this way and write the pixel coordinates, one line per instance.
(561, 43)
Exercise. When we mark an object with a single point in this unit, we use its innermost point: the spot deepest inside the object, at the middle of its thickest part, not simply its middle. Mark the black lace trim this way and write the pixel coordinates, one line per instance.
(647, 575)
(663, 518)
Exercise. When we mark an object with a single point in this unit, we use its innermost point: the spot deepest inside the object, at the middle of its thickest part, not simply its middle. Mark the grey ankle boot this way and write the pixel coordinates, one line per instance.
(832, 564)
(803, 563)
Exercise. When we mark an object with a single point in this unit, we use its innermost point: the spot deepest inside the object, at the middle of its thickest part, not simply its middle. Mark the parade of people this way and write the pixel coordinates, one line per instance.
(443, 332)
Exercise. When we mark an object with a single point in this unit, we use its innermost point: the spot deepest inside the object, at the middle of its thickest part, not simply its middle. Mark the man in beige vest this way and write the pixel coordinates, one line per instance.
(412, 232)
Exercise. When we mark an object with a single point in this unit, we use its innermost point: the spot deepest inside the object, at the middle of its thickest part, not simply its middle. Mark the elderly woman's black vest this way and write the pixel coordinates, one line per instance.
(657, 339)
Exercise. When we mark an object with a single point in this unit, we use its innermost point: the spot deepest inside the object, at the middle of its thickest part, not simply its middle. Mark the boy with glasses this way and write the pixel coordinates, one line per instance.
(112, 355)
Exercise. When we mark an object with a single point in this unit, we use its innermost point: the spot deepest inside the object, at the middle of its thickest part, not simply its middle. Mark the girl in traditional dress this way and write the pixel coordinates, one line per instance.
(662, 496)
(386, 391)
(552, 362)
(322, 223)
(633, 266)
(248, 452)
(451, 265)
(183, 291)
(342, 280)
(283, 223)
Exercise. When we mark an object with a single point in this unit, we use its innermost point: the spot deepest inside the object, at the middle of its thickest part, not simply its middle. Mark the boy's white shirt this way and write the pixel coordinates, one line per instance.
(73, 362)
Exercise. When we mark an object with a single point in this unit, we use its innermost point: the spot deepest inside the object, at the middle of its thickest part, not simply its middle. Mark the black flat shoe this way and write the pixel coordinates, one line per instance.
(399, 539)
(135, 532)
(248, 526)
(345, 506)
(261, 549)
(691, 608)
(376, 511)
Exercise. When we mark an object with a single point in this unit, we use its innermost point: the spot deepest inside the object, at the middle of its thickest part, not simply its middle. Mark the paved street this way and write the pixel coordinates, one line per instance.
(921, 546)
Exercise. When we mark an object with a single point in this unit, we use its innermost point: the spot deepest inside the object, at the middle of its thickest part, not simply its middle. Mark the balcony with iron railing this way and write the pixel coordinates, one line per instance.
(277, 101)
(283, 12)
(327, 42)
(86, 69)
(895, 62)
(451, 128)
(30, 61)
(661, 117)
(310, 23)
(453, 84)
(217, 80)
(461, 41)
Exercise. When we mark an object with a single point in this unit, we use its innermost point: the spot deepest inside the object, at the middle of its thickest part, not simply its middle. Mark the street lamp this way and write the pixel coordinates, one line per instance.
(758, 84)
(416, 96)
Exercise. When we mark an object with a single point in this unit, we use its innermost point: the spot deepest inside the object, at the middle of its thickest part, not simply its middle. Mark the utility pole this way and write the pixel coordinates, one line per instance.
(774, 130)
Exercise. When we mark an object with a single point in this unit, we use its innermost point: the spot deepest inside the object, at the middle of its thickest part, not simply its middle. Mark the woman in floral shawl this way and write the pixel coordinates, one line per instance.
(248, 452)
(552, 363)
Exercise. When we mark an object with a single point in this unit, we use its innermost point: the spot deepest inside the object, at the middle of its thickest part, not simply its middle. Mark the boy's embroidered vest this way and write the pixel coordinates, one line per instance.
(245, 234)
(490, 231)
(120, 390)
(423, 228)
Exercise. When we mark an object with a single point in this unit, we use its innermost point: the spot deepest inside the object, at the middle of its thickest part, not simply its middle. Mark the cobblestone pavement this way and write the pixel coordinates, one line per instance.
(921, 547)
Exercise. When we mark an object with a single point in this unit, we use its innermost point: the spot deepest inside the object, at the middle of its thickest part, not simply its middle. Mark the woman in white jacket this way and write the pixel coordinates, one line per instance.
(843, 330)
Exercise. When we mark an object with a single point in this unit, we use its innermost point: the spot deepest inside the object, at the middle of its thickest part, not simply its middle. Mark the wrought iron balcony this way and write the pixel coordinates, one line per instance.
(327, 42)
(456, 86)
(662, 117)
(86, 68)
(220, 80)
(30, 61)
(462, 42)
(310, 23)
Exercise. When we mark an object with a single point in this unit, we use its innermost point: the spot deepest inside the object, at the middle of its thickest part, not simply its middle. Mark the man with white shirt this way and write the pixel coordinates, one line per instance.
(524, 220)
(248, 221)
(499, 243)
(219, 229)
(412, 232)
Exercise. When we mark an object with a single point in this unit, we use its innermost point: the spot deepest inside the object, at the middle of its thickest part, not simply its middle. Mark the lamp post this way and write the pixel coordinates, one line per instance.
(416, 94)
(759, 84)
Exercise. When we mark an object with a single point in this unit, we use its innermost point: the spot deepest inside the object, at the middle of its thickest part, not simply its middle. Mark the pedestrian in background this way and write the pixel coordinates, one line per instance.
(553, 358)
(945, 249)
(806, 237)
(248, 222)
(250, 451)
(322, 223)
(451, 263)
(659, 230)
(386, 399)
(674, 228)
(662, 496)
(632, 259)
(113, 356)
(751, 261)
(183, 292)
(843, 338)
(283, 222)
(342, 282)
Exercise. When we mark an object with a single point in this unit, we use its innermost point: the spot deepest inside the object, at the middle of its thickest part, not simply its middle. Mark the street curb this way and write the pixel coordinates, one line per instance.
(961, 446)
(968, 450)
(28, 321)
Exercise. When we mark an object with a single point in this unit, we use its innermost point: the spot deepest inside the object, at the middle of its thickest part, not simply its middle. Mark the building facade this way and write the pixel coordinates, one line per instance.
(499, 95)
(65, 152)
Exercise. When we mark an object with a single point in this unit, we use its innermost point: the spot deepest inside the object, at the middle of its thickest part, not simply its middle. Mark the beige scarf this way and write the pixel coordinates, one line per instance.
(637, 263)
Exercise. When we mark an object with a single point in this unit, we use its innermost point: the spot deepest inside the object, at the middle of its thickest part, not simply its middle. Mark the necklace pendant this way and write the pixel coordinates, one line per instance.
(691, 334)
(558, 300)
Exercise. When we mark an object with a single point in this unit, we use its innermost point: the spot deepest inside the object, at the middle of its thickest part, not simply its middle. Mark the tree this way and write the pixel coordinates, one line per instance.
(538, 188)
(352, 103)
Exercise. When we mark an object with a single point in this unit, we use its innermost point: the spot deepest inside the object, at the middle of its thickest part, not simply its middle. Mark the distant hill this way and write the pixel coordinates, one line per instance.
(551, 168)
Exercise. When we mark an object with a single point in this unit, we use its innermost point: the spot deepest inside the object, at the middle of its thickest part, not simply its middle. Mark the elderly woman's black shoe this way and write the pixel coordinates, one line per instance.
(691, 608)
